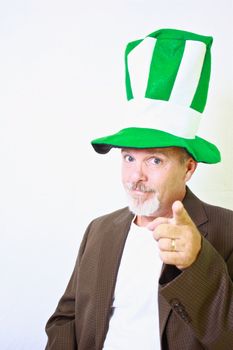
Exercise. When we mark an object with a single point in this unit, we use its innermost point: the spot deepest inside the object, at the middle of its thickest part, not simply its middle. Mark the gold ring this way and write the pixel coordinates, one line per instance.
(173, 245)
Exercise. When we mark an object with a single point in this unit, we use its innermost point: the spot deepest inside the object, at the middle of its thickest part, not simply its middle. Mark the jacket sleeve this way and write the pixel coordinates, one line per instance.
(60, 327)
(202, 297)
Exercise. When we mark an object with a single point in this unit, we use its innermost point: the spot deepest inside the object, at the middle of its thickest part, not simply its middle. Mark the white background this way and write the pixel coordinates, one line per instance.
(61, 85)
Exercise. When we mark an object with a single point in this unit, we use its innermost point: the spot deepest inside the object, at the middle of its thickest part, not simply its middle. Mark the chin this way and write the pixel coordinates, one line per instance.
(146, 208)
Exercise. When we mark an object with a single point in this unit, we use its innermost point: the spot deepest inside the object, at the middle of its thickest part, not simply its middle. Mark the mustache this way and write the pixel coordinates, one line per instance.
(139, 187)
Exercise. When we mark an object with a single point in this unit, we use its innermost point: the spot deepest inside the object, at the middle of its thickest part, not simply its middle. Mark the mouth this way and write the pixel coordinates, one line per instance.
(138, 195)
(140, 191)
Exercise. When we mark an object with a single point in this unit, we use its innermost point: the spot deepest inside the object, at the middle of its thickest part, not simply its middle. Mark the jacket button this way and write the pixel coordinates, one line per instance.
(180, 310)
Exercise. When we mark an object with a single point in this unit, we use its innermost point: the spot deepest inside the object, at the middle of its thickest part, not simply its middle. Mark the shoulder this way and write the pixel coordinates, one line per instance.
(117, 215)
(199, 208)
(220, 223)
(102, 227)
(106, 228)
(110, 221)
(218, 213)
(219, 228)
(214, 222)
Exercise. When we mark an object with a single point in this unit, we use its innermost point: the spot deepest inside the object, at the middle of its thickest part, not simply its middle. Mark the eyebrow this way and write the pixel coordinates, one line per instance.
(149, 154)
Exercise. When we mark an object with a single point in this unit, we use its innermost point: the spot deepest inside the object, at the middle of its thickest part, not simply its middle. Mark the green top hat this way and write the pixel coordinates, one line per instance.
(167, 80)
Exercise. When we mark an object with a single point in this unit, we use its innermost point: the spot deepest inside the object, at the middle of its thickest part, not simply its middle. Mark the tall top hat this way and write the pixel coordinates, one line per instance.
(167, 80)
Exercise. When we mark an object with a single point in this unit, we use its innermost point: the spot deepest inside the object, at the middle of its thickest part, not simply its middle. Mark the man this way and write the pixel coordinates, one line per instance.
(159, 274)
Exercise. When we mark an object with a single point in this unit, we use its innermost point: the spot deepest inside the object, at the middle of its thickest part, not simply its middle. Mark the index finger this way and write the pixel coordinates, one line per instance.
(180, 215)
(156, 222)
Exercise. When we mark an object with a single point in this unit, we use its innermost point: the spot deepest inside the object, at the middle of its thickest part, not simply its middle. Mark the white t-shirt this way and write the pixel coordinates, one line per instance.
(135, 321)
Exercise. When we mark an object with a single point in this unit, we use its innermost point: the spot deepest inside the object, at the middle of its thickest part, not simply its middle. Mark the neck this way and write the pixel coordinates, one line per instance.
(145, 220)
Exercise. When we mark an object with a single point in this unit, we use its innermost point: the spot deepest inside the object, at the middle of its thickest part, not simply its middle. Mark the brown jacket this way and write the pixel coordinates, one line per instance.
(196, 305)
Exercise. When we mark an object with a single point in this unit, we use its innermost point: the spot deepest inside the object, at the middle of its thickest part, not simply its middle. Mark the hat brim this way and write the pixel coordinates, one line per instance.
(200, 149)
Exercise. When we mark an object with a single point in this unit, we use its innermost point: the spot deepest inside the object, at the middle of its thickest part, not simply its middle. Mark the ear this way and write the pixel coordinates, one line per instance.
(191, 166)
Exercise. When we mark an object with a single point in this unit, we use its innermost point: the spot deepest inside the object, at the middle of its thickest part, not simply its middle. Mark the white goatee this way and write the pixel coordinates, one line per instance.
(138, 205)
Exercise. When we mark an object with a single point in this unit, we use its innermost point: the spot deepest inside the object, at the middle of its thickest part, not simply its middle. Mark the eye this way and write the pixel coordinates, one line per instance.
(128, 158)
(155, 160)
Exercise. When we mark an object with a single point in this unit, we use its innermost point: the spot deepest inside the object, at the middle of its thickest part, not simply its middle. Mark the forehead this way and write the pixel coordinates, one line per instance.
(167, 151)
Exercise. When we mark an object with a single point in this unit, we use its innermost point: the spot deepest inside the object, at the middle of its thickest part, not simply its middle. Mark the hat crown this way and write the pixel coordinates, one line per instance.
(171, 65)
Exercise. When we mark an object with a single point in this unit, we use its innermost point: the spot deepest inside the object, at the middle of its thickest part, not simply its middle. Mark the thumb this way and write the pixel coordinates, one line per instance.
(180, 215)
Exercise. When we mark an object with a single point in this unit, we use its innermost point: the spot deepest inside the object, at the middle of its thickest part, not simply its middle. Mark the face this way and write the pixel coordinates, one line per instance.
(154, 178)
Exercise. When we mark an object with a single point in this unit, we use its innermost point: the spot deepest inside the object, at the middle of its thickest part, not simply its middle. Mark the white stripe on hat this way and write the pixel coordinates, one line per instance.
(189, 73)
(175, 119)
(139, 61)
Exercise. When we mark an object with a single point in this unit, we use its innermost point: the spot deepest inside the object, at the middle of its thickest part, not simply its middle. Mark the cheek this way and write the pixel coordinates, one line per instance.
(176, 180)
(129, 172)
(156, 182)
(166, 181)
(124, 174)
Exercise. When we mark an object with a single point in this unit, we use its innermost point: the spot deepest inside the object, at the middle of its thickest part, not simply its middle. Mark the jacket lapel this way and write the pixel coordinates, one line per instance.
(110, 255)
(195, 209)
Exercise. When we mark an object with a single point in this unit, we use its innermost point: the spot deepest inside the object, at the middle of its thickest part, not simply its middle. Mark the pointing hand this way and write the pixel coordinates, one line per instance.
(178, 239)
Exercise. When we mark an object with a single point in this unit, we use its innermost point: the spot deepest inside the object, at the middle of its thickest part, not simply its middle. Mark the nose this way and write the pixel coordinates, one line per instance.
(139, 172)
